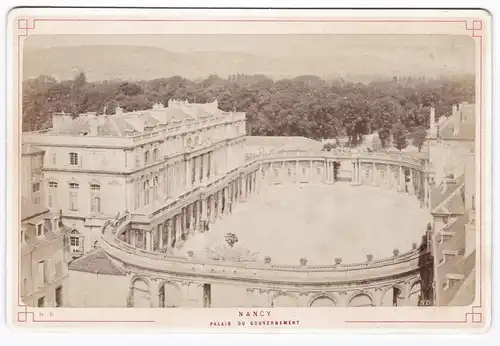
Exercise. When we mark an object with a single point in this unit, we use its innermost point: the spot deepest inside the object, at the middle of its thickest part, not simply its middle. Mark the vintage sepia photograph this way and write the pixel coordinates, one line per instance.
(249, 170)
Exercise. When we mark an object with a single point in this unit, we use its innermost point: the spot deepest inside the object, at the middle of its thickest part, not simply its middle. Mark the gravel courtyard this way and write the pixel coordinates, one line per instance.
(320, 223)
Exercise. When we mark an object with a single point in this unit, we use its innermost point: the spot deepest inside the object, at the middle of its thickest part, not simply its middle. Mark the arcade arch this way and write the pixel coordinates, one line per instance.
(323, 301)
(140, 296)
(360, 300)
(284, 300)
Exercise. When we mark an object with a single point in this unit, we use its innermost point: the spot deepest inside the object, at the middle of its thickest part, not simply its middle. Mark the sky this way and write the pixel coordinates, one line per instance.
(270, 45)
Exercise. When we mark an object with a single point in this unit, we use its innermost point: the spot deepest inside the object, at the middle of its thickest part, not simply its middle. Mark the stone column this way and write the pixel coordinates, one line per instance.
(213, 163)
(149, 240)
(374, 172)
(133, 238)
(188, 172)
(212, 209)
(192, 221)
(411, 188)
(353, 174)
(426, 189)
(168, 226)
(243, 188)
(207, 162)
(219, 212)
(402, 180)
(160, 236)
(178, 230)
(377, 293)
(405, 295)
(388, 174)
(297, 172)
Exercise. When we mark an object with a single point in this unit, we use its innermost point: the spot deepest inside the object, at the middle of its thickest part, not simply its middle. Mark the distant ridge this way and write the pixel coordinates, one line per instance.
(144, 63)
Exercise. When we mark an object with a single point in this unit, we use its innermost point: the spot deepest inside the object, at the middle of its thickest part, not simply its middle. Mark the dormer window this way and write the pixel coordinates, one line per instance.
(73, 159)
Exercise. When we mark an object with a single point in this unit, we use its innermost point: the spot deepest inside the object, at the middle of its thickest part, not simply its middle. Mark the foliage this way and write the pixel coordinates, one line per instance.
(399, 136)
(231, 239)
(329, 146)
(418, 137)
(303, 106)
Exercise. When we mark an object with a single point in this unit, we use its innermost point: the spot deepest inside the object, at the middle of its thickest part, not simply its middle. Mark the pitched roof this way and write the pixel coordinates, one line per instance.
(30, 209)
(96, 261)
(463, 266)
(446, 198)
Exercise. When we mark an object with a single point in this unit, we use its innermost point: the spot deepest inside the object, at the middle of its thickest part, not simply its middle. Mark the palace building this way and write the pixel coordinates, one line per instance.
(98, 166)
(130, 189)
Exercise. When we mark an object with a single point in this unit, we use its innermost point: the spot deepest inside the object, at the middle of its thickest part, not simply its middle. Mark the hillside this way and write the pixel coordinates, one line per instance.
(144, 63)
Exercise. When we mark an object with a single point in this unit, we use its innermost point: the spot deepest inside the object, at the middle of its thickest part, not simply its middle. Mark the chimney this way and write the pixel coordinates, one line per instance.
(119, 111)
(432, 117)
(60, 121)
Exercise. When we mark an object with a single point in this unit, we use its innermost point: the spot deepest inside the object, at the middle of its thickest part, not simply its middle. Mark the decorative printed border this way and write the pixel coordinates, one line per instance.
(26, 26)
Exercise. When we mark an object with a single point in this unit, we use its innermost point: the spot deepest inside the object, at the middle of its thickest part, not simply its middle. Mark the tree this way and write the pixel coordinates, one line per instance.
(399, 136)
(419, 138)
(231, 239)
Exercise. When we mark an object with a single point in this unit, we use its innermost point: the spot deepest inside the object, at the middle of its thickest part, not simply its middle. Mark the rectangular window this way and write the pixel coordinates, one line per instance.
(53, 184)
(156, 184)
(39, 230)
(41, 274)
(73, 201)
(41, 302)
(73, 159)
(58, 296)
(50, 201)
(206, 296)
(137, 160)
(146, 192)
(95, 204)
(209, 163)
(193, 170)
(54, 158)
(137, 194)
(201, 159)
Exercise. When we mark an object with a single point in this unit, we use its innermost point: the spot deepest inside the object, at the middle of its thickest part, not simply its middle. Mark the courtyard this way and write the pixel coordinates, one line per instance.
(319, 223)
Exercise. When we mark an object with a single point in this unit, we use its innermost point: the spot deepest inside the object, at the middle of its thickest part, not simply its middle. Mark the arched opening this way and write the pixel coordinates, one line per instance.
(322, 302)
(161, 297)
(392, 297)
(140, 296)
(169, 296)
(415, 294)
(361, 300)
(284, 301)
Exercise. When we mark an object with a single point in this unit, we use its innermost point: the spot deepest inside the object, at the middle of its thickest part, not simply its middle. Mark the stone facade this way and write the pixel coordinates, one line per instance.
(43, 263)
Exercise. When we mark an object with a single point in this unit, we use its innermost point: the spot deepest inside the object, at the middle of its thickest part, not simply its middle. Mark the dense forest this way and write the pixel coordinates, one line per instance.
(303, 106)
